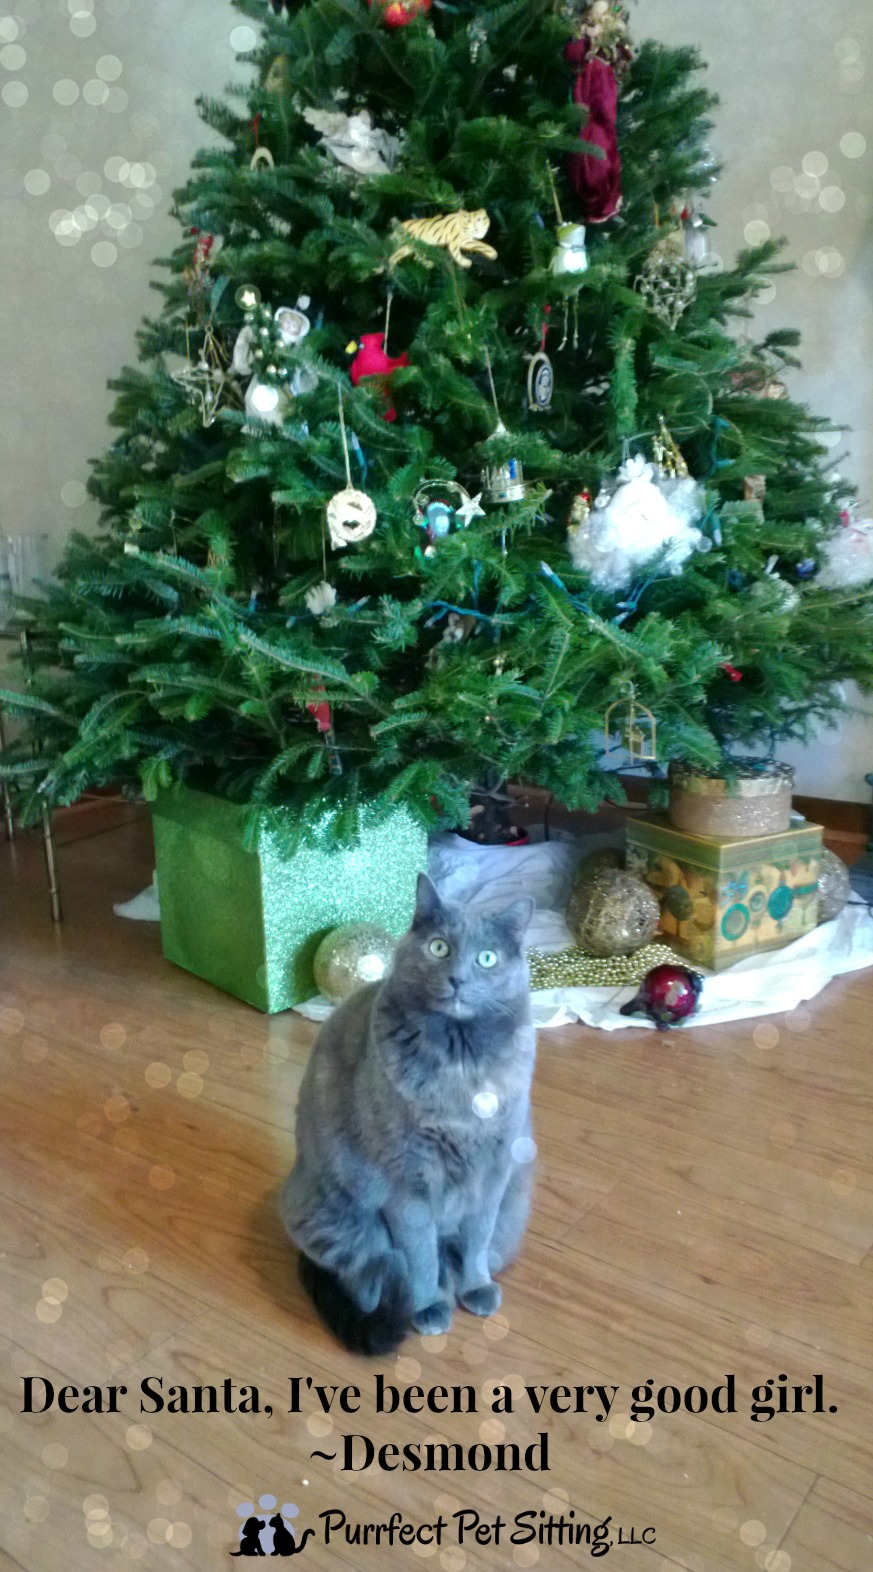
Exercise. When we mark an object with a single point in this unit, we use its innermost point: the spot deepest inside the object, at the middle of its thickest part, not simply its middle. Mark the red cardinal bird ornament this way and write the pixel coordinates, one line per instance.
(372, 361)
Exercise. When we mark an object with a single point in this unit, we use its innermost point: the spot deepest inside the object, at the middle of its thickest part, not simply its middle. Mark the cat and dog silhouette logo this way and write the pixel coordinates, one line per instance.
(270, 1534)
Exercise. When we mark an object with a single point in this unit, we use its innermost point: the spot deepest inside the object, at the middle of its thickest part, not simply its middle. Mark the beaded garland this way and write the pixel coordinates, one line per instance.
(574, 968)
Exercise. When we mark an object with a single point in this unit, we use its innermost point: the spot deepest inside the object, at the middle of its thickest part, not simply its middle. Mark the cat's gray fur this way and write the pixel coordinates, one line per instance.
(403, 1200)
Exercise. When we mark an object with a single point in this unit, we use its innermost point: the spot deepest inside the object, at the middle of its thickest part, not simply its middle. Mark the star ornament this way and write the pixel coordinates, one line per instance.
(202, 384)
(470, 510)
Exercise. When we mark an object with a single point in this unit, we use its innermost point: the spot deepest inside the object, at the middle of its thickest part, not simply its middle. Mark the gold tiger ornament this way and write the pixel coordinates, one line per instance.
(458, 232)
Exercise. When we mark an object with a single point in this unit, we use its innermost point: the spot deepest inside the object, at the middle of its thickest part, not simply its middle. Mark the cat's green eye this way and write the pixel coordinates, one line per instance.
(487, 958)
(440, 948)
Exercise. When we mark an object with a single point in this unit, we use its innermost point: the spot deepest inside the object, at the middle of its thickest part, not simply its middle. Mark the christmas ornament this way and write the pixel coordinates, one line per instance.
(320, 598)
(757, 380)
(372, 360)
(504, 481)
(458, 232)
(847, 556)
(685, 496)
(540, 373)
(292, 322)
(247, 297)
(667, 282)
(267, 402)
(197, 273)
(460, 626)
(604, 23)
(570, 256)
(441, 504)
(262, 158)
(834, 886)
(354, 141)
(755, 488)
(643, 518)
(262, 347)
(242, 362)
(257, 341)
(807, 569)
(204, 383)
(399, 13)
(669, 995)
(605, 859)
(599, 53)
(321, 713)
(350, 957)
(695, 232)
(351, 515)
(540, 381)
(773, 592)
(470, 509)
(634, 727)
(579, 514)
(276, 79)
(614, 913)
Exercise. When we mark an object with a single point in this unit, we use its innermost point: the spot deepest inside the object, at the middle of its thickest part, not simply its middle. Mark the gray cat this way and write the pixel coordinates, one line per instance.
(413, 1174)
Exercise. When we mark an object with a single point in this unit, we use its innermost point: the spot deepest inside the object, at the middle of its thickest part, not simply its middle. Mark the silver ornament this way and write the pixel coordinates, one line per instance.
(834, 887)
(351, 517)
(350, 957)
(505, 482)
(540, 381)
(668, 285)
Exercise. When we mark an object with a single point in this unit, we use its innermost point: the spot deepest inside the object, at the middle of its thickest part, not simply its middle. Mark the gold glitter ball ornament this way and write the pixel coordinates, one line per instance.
(351, 956)
(606, 859)
(613, 914)
(834, 887)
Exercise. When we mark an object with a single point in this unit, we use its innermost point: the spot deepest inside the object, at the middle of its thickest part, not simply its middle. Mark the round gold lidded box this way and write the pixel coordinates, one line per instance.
(755, 799)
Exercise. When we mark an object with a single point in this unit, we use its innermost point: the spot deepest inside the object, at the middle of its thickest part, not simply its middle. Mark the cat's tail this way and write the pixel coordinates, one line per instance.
(378, 1331)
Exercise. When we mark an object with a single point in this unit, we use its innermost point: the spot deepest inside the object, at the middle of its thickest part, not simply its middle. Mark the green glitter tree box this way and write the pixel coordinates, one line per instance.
(723, 898)
(246, 909)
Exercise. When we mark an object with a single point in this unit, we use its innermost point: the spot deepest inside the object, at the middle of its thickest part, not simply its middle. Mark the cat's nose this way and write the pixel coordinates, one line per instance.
(455, 982)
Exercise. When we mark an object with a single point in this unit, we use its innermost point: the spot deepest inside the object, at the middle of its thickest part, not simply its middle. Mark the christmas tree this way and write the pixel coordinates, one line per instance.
(449, 461)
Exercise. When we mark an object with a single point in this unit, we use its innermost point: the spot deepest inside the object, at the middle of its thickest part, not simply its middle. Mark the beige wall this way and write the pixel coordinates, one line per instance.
(791, 74)
(796, 82)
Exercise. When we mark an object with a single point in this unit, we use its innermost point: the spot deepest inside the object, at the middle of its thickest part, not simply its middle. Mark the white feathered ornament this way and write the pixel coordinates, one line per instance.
(354, 141)
(646, 516)
(773, 593)
(847, 556)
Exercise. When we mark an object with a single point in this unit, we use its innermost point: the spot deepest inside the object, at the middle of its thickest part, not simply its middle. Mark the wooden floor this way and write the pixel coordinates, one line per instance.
(705, 1208)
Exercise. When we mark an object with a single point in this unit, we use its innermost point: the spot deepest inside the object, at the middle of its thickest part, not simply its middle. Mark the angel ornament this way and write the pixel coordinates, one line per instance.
(635, 523)
(354, 141)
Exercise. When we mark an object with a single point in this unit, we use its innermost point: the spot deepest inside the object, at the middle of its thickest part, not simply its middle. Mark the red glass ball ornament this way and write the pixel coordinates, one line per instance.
(399, 13)
(668, 994)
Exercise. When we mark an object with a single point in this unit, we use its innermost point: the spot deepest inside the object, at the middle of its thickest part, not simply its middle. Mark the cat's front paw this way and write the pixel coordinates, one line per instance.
(482, 1301)
(435, 1319)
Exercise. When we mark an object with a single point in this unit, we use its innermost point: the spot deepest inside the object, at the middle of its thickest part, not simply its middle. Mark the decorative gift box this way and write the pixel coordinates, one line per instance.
(246, 910)
(754, 800)
(723, 898)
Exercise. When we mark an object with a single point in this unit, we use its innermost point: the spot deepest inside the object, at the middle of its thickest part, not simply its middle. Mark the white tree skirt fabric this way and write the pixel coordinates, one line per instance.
(768, 984)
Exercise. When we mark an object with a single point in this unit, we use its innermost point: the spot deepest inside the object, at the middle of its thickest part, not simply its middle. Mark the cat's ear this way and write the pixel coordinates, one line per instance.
(429, 908)
(514, 919)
